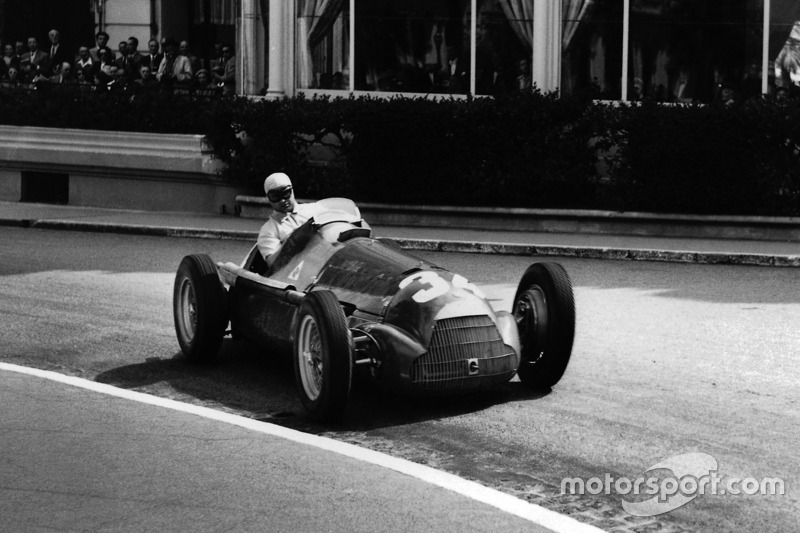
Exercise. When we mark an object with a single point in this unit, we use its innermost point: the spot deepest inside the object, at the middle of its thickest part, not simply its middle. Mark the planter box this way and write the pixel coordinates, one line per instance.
(157, 172)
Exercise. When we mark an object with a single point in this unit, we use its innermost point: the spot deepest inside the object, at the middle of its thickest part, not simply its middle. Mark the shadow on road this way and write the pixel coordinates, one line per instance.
(245, 381)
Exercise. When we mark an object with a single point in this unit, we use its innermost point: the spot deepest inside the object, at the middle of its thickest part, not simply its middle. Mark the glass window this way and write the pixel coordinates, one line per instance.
(504, 46)
(678, 51)
(417, 46)
(592, 48)
(323, 44)
(695, 51)
(414, 46)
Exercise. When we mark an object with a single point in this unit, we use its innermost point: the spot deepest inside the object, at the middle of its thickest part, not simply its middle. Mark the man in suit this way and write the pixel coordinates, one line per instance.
(194, 61)
(153, 57)
(58, 52)
(125, 63)
(101, 40)
(39, 60)
(133, 52)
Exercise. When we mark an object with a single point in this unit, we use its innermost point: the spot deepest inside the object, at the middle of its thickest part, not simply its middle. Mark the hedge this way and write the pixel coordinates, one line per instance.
(527, 150)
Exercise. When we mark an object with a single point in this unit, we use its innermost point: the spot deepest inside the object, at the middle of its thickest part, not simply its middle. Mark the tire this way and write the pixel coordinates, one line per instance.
(323, 356)
(544, 309)
(199, 307)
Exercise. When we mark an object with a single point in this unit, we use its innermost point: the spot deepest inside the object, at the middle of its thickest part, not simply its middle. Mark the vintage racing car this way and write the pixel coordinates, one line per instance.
(339, 300)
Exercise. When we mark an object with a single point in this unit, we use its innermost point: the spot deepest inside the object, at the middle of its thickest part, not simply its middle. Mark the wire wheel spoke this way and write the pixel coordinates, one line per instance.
(312, 371)
(189, 307)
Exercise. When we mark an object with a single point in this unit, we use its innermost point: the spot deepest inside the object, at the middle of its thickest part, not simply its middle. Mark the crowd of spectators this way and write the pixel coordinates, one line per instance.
(165, 65)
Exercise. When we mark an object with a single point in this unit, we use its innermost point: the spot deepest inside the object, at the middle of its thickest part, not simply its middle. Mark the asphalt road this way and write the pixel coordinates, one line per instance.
(669, 359)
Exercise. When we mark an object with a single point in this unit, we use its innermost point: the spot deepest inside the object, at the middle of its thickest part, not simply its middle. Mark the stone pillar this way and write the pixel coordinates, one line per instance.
(247, 54)
(279, 51)
(546, 62)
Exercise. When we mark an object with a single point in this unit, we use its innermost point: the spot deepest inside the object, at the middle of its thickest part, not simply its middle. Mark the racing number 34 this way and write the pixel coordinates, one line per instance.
(436, 285)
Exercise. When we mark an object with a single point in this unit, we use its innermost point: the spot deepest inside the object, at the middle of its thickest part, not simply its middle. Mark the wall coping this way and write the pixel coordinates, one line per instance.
(63, 149)
(521, 212)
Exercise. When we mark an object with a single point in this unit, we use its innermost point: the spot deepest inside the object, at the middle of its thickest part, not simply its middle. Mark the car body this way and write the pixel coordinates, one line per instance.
(341, 299)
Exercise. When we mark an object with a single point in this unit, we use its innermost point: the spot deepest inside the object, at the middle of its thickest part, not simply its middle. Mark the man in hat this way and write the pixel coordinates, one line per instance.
(287, 215)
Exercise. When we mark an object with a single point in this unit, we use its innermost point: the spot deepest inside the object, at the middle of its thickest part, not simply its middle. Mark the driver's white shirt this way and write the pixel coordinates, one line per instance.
(279, 226)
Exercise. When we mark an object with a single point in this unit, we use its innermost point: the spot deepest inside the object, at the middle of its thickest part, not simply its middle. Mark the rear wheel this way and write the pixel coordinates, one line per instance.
(544, 309)
(323, 360)
(199, 308)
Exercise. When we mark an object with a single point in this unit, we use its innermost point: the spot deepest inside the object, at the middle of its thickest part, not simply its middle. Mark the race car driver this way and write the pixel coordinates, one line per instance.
(287, 215)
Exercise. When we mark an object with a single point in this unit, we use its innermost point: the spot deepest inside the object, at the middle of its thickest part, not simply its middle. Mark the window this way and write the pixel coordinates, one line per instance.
(322, 44)
(414, 46)
(504, 44)
(677, 50)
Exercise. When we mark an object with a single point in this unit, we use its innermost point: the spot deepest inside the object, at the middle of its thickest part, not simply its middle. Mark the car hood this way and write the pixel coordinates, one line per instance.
(398, 288)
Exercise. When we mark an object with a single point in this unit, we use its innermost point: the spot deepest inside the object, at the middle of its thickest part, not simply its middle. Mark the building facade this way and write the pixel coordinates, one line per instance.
(669, 50)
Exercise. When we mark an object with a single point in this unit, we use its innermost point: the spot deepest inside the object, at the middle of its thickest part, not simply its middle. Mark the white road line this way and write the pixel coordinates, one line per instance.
(505, 502)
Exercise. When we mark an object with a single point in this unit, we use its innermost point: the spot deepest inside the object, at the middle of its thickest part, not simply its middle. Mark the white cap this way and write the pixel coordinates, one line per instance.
(278, 180)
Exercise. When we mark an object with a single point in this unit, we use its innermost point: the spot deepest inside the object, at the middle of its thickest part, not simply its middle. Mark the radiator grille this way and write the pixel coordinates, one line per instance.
(464, 353)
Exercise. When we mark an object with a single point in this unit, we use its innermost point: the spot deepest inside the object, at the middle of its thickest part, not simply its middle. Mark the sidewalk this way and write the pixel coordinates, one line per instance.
(619, 247)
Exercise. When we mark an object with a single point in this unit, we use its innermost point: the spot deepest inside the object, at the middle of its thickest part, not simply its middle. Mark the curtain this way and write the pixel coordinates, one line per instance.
(219, 11)
(520, 16)
(314, 19)
(223, 12)
(575, 11)
(198, 12)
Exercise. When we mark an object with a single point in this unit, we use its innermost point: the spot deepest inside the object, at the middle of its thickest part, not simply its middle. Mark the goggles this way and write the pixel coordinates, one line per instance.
(281, 194)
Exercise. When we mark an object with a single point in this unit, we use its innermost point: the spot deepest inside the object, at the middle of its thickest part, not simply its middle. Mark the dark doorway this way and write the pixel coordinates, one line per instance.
(45, 187)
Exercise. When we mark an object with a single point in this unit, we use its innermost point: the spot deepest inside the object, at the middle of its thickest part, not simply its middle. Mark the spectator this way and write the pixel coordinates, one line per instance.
(39, 61)
(10, 59)
(122, 50)
(63, 74)
(12, 80)
(126, 63)
(119, 79)
(103, 68)
(59, 54)
(19, 49)
(101, 41)
(227, 78)
(26, 73)
(84, 62)
(153, 57)
(524, 80)
(174, 68)
(782, 95)
(133, 51)
(84, 76)
(682, 90)
(146, 78)
(194, 61)
(202, 80)
(727, 94)
(218, 61)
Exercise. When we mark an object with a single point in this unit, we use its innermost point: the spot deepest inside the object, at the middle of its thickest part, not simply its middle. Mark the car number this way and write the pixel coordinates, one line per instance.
(437, 285)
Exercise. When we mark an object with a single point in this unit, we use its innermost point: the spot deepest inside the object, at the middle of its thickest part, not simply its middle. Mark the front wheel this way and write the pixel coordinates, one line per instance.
(544, 309)
(199, 308)
(323, 359)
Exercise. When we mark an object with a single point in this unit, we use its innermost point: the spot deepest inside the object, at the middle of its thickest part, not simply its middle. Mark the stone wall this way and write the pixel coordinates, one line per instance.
(157, 172)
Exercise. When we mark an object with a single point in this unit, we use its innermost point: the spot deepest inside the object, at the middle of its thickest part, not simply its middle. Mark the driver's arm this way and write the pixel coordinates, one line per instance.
(269, 241)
